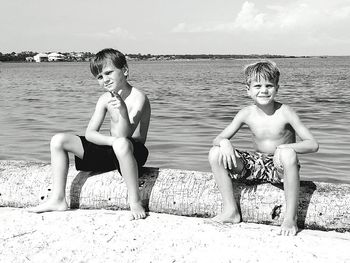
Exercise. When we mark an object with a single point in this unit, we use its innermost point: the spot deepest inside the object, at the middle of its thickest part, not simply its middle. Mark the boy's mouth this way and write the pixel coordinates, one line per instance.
(109, 87)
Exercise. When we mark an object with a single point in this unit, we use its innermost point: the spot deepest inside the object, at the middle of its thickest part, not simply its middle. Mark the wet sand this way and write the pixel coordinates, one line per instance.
(108, 236)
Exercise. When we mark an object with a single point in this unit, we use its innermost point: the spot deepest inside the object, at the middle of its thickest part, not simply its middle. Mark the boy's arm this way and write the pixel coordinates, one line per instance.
(231, 129)
(308, 143)
(92, 133)
(227, 156)
(129, 120)
(118, 107)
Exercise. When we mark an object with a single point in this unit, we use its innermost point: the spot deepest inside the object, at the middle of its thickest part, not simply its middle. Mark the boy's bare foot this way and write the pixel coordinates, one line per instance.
(137, 211)
(49, 206)
(288, 228)
(228, 217)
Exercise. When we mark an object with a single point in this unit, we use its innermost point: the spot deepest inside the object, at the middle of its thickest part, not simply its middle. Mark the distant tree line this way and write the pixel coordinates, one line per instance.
(85, 56)
(22, 56)
(16, 57)
(203, 56)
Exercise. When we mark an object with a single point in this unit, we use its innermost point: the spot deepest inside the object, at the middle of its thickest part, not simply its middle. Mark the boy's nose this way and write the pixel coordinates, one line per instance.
(105, 79)
(263, 89)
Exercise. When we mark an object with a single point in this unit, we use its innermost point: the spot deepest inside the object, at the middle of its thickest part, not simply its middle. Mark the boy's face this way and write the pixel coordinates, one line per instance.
(262, 91)
(112, 78)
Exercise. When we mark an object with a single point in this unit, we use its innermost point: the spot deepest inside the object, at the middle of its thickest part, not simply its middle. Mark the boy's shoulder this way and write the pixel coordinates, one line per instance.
(284, 108)
(104, 98)
(135, 95)
(139, 93)
(247, 109)
(280, 108)
(139, 97)
(244, 114)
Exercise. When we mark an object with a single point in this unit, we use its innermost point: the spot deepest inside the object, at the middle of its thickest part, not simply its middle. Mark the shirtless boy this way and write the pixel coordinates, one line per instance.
(123, 149)
(274, 127)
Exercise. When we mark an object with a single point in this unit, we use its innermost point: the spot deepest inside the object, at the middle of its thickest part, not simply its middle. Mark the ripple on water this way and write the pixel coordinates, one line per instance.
(192, 101)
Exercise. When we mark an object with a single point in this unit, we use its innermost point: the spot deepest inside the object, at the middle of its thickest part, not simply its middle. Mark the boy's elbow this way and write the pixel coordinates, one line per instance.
(88, 135)
(315, 146)
(216, 141)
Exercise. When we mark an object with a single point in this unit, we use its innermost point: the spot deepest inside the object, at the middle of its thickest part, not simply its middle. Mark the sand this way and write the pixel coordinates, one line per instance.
(107, 236)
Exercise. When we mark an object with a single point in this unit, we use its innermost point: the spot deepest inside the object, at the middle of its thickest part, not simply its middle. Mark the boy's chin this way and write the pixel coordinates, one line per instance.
(264, 103)
(111, 90)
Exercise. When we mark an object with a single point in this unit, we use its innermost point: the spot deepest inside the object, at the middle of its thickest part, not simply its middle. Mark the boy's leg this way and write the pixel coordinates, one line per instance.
(60, 145)
(123, 149)
(291, 183)
(230, 213)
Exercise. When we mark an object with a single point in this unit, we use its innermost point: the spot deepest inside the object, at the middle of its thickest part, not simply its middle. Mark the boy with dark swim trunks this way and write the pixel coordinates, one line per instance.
(274, 127)
(123, 149)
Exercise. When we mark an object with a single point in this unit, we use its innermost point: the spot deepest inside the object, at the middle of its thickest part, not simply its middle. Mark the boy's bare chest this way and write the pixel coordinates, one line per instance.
(271, 127)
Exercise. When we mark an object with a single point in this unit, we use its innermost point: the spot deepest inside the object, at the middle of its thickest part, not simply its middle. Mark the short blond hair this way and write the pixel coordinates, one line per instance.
(265, 69)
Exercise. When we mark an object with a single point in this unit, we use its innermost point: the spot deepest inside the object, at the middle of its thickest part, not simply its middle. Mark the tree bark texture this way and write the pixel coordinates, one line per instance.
(323, 206)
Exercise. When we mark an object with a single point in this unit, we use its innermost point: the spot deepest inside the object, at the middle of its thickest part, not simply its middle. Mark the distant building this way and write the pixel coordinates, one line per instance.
(77, 56)
(29, 59)
(41, 57)
(56, 57)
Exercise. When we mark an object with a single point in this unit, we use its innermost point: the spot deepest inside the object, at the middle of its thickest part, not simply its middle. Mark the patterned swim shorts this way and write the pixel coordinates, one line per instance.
(259, 167)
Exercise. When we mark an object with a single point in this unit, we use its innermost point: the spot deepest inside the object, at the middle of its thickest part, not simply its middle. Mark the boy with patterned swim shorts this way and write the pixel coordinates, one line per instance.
(274, 127)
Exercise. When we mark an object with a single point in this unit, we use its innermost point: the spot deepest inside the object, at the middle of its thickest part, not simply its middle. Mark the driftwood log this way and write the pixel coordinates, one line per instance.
(322, 206)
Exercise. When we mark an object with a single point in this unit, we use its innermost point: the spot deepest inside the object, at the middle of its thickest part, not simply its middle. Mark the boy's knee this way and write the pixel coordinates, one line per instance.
(288, 156)
(58, 140)
(122, 146)
(214, 153)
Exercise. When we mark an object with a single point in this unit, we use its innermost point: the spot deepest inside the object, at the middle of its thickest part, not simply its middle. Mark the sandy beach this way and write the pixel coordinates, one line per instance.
(108, 236)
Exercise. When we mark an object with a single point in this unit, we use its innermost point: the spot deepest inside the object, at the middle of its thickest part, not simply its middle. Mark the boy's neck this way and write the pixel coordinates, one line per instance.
(125, 91)
(268, 109)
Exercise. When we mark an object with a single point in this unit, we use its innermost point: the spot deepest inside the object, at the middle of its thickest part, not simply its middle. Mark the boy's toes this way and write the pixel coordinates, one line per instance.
(137, 211)
(141, 215)
(288, 228)
(288, 232)
(281, 232)
(137, 216)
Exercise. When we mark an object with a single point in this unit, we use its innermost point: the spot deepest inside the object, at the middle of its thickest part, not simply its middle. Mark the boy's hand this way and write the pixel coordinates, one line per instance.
(277, 154)
(227, 155)
(117, 103)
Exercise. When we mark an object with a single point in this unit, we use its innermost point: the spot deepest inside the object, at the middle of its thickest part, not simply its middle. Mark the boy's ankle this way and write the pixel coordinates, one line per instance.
(133, 203)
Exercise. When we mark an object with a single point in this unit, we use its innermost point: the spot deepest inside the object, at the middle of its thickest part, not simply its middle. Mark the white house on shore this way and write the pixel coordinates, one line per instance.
(56, 57)
(41, 57)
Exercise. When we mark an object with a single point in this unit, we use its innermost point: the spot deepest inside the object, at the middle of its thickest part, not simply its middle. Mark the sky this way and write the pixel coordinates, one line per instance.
(280, 27)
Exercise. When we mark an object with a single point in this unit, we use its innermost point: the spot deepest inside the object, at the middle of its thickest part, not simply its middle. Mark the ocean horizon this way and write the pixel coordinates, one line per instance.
(192, 101)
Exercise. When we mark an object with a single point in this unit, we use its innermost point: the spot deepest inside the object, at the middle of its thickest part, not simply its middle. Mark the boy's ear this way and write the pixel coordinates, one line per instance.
(126, 71)
(247, 89)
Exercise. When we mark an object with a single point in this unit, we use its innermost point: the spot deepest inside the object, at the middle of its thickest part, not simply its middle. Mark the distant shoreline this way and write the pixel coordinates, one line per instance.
(27, 57)
(30, 56)
(131, 57)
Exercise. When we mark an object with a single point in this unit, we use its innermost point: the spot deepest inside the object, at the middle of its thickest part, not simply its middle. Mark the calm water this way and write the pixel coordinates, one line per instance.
(192, 101)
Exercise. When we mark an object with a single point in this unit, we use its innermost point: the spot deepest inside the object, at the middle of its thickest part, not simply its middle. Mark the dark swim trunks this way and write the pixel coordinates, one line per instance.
(259, 167)
(101, 158)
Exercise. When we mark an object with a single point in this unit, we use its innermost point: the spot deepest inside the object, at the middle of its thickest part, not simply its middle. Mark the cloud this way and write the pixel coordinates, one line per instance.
(117, 32)
(296, 16)
(190, 28)
(249, 18)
